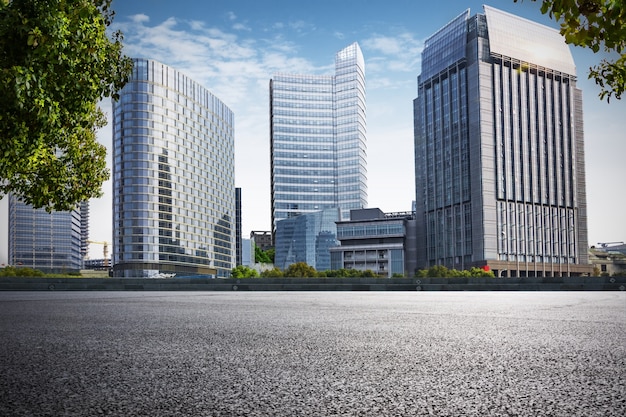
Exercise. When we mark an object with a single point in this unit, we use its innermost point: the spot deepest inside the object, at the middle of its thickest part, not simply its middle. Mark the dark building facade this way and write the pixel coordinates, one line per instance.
(499, 150)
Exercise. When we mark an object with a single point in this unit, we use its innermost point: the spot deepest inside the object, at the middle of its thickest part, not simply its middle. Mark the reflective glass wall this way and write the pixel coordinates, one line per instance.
(318, 140)
(49, 242)
(306, 238)
(173, 177)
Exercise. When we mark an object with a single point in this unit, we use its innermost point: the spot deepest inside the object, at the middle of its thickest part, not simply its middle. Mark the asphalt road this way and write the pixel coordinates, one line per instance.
(312, 354)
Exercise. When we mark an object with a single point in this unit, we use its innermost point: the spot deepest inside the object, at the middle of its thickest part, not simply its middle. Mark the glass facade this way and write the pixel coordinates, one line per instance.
(49, 242)
(318, 139)
(306, 238)
(500, 182)
(173, 177)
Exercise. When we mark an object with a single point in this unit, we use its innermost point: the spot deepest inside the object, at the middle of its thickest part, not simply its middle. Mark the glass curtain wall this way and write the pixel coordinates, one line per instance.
(173, 177)
(317, 139)
(49, 242)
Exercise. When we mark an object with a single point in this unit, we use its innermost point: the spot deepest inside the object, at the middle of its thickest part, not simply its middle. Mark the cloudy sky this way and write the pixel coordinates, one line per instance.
(233, 47)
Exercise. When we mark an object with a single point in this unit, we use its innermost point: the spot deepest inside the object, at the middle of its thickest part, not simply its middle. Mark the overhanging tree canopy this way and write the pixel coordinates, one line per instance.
(56, 63)
(598, 25)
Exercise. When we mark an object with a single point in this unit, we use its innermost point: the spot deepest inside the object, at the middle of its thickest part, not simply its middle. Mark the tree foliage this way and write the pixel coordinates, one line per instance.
(598, 25)
(440, 271)
(272, 273)
(56, 63)
(261, 256)
(242, 271)
(300, 270)
(11, 271)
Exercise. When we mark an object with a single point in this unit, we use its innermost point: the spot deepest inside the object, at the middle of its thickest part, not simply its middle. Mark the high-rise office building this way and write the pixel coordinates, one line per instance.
(499, 155)
(173, 177)
(318, 139)
(49, 242)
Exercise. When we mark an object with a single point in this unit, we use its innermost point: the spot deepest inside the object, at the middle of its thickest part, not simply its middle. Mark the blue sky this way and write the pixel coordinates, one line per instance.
(233, 47)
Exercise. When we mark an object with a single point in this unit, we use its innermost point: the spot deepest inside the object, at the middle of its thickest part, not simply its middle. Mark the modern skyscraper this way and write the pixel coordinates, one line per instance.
(318, 141)
(499, 153)
(173, 177)
(49, 242)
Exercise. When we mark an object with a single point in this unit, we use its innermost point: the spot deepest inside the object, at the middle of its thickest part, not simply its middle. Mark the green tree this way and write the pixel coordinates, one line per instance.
(440, 271)
(242, 271)
(272, 273)
(56, 63)
(598, 25)
(479, 272)
(261, 256)
(300, 269)
(11, 271)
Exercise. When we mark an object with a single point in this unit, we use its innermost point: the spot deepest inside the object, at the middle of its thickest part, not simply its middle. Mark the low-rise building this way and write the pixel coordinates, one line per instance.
(384, 243)
(609, 260)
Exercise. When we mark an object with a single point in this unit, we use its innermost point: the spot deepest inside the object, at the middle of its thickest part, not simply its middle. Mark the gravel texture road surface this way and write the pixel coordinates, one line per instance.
(312, 354)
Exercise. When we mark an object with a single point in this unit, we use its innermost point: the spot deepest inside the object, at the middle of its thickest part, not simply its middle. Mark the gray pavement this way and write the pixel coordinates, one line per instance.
(312, 354)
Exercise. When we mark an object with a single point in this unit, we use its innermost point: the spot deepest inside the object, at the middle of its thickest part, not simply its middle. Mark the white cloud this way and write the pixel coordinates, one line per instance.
(241, 27)
(399, 53)
(140, 18)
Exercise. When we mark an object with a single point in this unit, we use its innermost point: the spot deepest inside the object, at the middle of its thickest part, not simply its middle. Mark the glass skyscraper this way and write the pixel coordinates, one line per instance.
(318, 139)
(499, 152)
(173, 177)
(49, 242)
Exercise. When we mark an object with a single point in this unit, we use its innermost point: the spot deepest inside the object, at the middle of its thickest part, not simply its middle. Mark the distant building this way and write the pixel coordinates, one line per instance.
(49, 242)
(173, 177)
(609, 260)
(307, 238)
(318, 139)
(381, 242)
(247, 253)
(4, 231)
(262, 239)
(499, 149)
(238, 231)
(97, 264)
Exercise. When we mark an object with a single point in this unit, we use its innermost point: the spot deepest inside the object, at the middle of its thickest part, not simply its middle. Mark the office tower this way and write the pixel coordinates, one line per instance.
(499, 155)
(173, 177)
(49, 242)
(307, 238)
(317, 139)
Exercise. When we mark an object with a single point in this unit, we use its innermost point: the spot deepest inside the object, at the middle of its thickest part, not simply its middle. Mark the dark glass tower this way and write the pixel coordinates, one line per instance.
(499, 153)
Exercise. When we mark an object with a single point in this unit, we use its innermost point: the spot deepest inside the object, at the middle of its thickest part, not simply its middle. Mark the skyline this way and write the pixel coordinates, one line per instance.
(233, 48)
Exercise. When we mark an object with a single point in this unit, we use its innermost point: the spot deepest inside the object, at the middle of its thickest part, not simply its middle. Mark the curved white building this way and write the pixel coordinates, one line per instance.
(173, 177)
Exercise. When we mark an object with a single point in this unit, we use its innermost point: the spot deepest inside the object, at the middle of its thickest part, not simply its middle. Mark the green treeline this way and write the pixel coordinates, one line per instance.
(303, 270)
